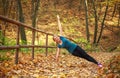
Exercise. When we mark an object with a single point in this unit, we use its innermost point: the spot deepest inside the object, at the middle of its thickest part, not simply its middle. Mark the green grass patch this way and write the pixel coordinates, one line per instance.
(4, 56)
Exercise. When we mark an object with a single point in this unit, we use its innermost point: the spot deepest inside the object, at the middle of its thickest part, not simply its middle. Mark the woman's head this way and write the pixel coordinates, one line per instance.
(56, 39)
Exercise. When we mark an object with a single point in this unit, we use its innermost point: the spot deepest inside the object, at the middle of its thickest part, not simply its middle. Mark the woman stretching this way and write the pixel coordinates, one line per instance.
(72, 48)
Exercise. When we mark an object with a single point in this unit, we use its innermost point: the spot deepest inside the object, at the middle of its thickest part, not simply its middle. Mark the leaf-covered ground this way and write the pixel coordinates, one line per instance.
(67, 67)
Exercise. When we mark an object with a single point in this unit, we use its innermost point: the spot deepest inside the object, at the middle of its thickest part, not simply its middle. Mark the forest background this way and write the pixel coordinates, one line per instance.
(87, 22)
(92, 24)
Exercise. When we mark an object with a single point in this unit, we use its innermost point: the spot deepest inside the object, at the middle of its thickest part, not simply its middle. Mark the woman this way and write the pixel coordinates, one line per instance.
(72, 48)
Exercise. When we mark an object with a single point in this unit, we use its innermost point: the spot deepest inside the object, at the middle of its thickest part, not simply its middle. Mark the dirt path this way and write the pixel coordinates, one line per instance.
(46, 67)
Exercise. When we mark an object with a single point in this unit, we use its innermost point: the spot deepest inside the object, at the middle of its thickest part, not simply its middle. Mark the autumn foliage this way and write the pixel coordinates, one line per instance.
(67, 67)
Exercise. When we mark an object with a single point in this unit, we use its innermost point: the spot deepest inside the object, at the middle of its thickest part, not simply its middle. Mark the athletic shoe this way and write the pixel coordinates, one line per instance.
(99, 64)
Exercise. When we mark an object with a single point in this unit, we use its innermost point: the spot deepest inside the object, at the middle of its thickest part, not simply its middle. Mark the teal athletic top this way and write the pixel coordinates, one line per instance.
(67, 44)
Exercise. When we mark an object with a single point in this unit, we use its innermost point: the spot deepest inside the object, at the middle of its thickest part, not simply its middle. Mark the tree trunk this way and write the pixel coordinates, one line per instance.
(114, 10)
(119, 19)
(5, 4)
(21, 19)
(86, 15)
(35, 7)
(100, 6)
(96, 22)
(118, 7)
(102, 24)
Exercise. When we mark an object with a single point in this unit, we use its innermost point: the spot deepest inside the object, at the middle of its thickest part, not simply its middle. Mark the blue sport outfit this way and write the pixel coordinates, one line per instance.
(75, 50)
(67, 44)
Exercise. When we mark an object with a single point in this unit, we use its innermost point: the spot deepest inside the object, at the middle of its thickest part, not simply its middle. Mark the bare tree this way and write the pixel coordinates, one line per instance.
(114, 10)
(96, 22)
(118, 7)
(86, 15)
(102, 24)
(4, 7)
(21, 19)
(35, 7)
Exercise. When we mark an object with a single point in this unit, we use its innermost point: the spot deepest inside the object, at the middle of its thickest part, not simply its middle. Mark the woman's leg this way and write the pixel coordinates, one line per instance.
(79, 52)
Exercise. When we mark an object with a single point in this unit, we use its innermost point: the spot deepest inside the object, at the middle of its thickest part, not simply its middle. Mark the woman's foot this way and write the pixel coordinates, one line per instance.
(100, 65)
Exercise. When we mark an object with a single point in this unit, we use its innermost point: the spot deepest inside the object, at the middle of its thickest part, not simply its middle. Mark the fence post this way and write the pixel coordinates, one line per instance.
(46, 44)
(33, 41)
(17, 43)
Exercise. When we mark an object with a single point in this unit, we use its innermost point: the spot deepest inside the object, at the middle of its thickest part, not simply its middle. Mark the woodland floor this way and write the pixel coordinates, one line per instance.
(67, 67)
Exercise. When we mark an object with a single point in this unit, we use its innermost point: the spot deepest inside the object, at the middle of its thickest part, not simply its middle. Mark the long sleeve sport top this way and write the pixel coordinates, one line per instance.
(67, 44)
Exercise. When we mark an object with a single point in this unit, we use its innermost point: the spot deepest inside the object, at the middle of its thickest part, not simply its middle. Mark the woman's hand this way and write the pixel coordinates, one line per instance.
(57, 59)
(57, 54)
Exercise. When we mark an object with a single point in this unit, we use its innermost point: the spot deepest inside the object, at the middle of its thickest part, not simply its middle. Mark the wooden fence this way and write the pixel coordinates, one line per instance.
(18, 46)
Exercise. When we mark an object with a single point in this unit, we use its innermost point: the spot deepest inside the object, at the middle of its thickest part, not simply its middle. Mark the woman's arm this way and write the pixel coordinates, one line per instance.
(57, 53)
(59, 25)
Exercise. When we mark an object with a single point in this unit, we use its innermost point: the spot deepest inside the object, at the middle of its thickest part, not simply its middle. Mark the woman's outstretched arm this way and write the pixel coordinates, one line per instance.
(57, 54)
(59, 25)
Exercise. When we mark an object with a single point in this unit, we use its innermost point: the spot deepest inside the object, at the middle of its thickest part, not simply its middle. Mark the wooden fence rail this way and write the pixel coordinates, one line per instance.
(18, 46)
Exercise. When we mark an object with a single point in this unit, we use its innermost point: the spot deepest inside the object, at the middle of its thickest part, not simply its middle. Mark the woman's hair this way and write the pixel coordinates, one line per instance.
(54, 36)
